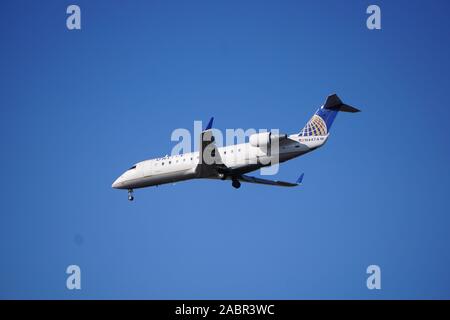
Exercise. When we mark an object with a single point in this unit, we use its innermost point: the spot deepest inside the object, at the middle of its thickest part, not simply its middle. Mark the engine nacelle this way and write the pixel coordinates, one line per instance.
(260, 139)
(265, 139)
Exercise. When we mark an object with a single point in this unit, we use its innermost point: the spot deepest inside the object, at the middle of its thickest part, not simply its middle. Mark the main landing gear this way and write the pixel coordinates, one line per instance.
(130, 195)
(236, 184)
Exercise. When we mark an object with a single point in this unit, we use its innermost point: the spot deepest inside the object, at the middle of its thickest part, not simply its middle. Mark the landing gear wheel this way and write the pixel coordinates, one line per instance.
(130, 195)
(236, 184)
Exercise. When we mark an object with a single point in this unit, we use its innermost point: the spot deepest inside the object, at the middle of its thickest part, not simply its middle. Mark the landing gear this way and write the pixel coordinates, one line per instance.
(130, 195)
(236, 184)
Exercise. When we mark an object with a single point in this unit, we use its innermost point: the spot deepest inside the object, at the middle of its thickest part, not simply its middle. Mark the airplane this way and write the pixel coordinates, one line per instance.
(235, 161)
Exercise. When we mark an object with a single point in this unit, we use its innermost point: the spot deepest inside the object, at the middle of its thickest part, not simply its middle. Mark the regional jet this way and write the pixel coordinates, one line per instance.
(235, 161)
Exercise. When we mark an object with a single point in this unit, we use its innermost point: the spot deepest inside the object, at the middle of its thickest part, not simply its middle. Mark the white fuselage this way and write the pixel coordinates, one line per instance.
(243, 157)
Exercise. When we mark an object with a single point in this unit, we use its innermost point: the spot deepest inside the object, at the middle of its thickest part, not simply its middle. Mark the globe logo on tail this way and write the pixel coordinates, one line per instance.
(315, 127)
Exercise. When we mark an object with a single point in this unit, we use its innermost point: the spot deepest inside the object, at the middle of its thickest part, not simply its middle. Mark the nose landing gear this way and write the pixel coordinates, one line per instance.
(130, 195)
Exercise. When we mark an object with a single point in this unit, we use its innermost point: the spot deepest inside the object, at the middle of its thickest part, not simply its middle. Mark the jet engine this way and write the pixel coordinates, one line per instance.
(265, 139)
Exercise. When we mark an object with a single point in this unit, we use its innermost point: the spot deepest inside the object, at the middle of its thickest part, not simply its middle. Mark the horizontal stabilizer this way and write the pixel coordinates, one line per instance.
(334, 103)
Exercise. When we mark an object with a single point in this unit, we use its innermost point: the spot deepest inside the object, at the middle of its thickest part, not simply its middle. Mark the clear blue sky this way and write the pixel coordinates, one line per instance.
(79, 107)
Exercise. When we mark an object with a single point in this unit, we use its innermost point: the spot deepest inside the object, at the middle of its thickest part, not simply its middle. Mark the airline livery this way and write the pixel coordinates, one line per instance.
(235, 161)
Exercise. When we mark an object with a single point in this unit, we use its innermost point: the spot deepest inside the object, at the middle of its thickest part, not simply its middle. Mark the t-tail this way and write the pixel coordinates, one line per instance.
(321, 121)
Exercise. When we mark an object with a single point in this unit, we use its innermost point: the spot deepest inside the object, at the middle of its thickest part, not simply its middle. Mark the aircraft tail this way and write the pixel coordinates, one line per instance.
(321, 121)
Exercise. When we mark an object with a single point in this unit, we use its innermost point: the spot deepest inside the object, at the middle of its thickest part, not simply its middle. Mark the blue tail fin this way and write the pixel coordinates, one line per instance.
(321, 121)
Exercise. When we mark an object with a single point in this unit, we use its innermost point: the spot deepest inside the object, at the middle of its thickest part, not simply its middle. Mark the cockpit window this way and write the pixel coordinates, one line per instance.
(133, 167)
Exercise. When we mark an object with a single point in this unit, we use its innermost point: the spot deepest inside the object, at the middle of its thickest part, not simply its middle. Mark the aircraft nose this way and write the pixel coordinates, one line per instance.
(116, 184)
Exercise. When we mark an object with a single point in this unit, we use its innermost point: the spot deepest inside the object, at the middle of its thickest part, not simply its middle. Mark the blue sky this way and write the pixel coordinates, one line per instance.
(79, 107)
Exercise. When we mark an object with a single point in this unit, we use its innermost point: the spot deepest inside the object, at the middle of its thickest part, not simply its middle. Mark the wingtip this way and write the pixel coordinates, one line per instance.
(300, 179)
(210, 123)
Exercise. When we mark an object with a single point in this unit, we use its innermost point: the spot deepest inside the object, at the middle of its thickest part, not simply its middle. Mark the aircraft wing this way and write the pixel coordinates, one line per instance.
(249, 179)
(210, 161)
(211, 164)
